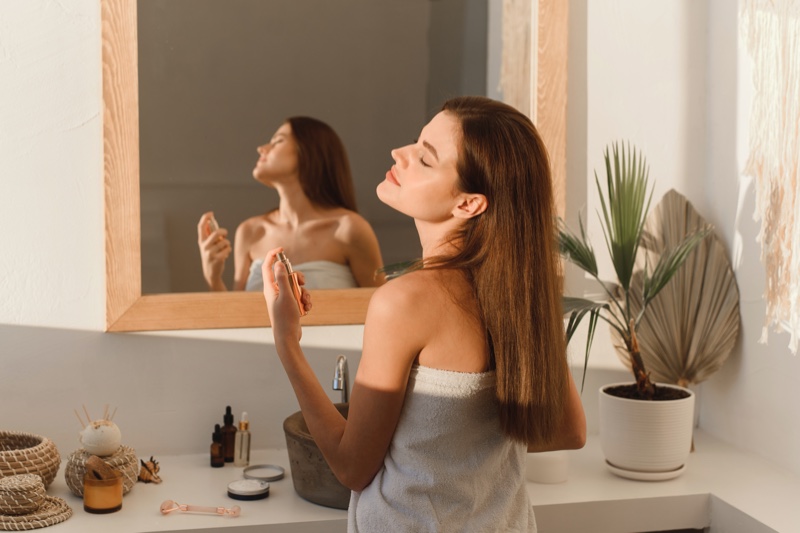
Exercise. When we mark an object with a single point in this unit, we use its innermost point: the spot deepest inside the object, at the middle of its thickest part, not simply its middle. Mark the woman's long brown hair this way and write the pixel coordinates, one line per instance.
(510, 255)
(323, 164)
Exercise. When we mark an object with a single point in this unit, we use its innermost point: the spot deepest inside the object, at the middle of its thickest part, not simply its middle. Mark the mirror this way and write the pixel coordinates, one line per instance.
(128, 309)
(217, 78)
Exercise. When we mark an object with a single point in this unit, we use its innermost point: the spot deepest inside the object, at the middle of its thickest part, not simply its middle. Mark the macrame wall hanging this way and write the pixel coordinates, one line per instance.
(771, 31)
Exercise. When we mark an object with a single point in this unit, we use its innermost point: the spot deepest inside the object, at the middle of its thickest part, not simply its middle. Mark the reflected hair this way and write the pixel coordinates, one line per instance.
(323, 164)
(510, 255)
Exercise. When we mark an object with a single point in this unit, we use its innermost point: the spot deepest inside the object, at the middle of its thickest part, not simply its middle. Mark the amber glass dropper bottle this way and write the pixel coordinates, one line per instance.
(217, 458)
(228, 436)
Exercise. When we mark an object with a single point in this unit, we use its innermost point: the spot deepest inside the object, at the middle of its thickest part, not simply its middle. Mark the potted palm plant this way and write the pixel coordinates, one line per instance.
(635, 432)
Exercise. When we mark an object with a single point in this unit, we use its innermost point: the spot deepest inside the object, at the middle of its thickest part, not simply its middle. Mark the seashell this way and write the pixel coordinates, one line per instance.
(149, 471)
(101, 438)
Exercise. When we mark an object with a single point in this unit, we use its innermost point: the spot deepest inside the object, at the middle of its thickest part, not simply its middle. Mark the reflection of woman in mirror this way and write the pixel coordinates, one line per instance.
(464, 366)
(315, 221)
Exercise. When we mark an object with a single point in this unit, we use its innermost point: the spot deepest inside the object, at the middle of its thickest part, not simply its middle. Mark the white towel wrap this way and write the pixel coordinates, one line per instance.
(318, 275)
(449, 466)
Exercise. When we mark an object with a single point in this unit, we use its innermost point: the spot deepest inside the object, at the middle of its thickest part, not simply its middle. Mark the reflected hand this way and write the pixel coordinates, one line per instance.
(214, 250)
(284, 315)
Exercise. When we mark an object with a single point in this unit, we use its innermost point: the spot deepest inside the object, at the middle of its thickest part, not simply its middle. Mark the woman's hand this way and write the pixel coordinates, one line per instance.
(284, 314)
(214, 250)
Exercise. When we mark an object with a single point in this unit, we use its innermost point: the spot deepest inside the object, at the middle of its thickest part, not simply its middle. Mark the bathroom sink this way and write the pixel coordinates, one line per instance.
(312, 477)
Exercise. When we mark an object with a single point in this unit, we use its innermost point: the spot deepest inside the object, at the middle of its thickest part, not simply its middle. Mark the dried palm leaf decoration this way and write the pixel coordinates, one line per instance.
(691, 326)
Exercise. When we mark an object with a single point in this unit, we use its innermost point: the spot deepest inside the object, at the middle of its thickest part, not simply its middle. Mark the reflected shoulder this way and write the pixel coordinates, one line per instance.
(251, 230)
(353, 219)
(256, 221)
(354, 228)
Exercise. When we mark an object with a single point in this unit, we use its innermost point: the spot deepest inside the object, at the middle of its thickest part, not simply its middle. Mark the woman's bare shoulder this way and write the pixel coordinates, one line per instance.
(411, 292)
(400, 312)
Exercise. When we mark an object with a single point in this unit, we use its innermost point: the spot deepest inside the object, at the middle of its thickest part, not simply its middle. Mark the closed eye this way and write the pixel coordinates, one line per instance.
(421, 158)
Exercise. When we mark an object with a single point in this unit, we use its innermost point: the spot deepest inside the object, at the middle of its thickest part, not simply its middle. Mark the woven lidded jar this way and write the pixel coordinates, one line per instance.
(21, 494)
(124, 460)
(26, 453)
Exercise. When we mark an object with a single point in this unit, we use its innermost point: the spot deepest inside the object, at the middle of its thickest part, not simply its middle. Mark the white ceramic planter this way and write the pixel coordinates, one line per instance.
(646, 440)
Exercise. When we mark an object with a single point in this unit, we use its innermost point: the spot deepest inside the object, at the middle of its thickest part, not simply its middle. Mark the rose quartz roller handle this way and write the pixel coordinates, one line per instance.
(169, 506)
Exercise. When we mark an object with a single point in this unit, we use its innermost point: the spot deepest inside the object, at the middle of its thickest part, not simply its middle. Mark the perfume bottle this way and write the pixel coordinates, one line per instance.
(241, 449)
(298, 294)
(228, 435)
(217, 457)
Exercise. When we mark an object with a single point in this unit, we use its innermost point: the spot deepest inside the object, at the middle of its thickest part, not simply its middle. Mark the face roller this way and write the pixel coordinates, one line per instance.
(169, 506)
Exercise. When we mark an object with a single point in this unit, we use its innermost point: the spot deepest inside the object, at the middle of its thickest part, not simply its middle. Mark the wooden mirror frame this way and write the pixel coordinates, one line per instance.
(127, 309)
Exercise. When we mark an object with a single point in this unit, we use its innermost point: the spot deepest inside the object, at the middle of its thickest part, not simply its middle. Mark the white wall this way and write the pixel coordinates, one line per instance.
(51, 158)
(685, 112)
(750, 402)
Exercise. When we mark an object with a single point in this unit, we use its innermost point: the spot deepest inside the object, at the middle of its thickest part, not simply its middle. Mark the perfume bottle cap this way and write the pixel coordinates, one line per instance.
(285, 260)
(244, 424)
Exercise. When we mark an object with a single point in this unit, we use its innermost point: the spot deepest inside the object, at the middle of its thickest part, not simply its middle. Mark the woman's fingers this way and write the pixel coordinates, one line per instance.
(216, 240)
(266, 267)
(276, 279)
(203, 226)
(220, 249)
(306, 298)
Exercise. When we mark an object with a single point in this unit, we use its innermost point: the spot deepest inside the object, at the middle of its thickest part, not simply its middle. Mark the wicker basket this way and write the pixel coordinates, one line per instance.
(25, 453)
(21, 494)
(124, 460)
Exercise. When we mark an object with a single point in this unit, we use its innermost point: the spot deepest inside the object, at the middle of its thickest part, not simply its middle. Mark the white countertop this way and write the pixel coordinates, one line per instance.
(720, 484)
(189, 479)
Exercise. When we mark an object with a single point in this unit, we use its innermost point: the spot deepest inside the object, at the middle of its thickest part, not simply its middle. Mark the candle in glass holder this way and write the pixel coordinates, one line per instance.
(102, 496)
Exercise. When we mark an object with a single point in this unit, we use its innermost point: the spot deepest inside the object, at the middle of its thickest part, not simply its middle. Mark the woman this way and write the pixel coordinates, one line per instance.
(464, 364)
(316, 220)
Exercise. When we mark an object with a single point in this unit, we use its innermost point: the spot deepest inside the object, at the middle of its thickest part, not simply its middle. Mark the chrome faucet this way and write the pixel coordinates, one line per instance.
(341, 378)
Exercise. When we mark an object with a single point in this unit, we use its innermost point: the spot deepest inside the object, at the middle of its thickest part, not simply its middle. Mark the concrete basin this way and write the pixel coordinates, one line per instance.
(312, 477)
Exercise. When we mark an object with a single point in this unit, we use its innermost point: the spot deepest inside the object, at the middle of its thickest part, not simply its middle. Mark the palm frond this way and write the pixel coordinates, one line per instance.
(578, 308)
(577, 249)
(395, 270)
(624, 208)
(669, 263)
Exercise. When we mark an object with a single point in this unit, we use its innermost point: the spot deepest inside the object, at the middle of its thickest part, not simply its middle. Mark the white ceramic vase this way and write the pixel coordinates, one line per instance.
(646, 440)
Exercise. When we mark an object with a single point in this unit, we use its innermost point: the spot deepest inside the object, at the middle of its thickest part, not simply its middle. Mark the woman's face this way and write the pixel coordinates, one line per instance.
(422, 182)
(278, 159)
